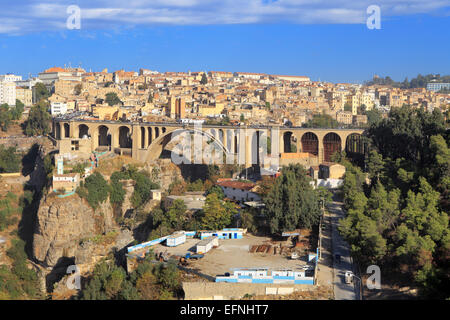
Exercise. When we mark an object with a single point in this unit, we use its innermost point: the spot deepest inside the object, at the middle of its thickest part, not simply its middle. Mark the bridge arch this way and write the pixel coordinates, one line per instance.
(66, 130)
(150, 135)
(83, 131)
(142, 137)
(125, 140)
(354, 143)
(157, 146)
(310, 143)
(287, 141)
(331, 144)
(57, 131)
(104, 136)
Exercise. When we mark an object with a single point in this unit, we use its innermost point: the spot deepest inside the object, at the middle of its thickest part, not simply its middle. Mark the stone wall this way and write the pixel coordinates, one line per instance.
(223, 290)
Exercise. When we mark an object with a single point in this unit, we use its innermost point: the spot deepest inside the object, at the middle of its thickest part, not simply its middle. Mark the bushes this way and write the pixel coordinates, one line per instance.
(10, 160)
(20, 280)
(147, 282)
(143, 186)
(95, 190)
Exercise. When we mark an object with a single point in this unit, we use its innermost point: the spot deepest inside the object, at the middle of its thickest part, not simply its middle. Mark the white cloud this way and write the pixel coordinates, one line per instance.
(23, 16)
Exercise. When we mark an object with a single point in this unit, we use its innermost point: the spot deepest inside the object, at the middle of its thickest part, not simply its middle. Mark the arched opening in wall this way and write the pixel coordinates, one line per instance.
(125, 140)
(236, 143)
(355, 148)
(57, 131)
(331, 144)
(229, 141)
(104, 137)
(83, 131)
(156, 132)
(289, 145)
(142, 138)
(212, 132)
(221, 137)
(66, 130)
(149, 132)
(310, 143)
(163, 129)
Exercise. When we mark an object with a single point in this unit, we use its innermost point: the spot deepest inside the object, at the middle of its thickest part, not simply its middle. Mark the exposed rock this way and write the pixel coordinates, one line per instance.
(128, 186)
(63, 222)
(164, 172)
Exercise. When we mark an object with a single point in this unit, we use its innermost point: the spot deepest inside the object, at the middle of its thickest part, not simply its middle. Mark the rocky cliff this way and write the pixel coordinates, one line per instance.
(63, 223)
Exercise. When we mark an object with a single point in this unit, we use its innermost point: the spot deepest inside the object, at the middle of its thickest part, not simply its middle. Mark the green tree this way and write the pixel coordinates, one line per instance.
(142, 188)
(9, 160)
(18, 110)
(374, 117)
(217, 190)
(217, 213)
(38, 122)
(5, 116)
(292, 202)
(40, 91)
(204, 79)
(97, 189)
(375, 165)
(321, 121)
(112, 99)
(175, 215)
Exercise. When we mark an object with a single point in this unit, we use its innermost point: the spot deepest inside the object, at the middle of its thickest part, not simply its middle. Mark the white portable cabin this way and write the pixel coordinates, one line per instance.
(207, 244)
(176, 239)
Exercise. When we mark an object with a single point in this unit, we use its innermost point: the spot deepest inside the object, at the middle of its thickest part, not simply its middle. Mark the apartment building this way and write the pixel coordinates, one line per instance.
(8, 93)
(10, 78)
(50, 76)
(25, 95)
(345, 117)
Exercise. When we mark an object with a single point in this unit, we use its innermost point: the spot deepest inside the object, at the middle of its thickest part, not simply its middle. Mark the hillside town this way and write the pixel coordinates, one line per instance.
(234, 97)
(256, 216)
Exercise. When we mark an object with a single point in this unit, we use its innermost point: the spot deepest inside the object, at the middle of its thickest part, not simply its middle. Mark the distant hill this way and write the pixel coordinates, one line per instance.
(419, 82)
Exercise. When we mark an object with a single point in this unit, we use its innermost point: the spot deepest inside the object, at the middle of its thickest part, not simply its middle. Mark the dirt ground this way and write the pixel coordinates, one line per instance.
(233, 253)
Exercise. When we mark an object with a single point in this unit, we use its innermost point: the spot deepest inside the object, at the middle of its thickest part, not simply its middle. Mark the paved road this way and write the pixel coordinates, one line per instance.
(342, 291)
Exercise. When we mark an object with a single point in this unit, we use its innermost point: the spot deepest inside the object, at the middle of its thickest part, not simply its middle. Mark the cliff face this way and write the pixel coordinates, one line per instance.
(62, 223)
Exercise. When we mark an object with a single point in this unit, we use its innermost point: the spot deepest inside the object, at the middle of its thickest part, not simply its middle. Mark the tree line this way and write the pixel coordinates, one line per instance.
(397, 211)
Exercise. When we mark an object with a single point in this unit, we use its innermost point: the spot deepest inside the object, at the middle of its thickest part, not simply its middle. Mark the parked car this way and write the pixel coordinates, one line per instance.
(348, 277)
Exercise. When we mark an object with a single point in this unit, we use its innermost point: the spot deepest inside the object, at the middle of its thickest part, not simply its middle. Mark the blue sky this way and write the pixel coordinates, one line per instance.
(326, 40)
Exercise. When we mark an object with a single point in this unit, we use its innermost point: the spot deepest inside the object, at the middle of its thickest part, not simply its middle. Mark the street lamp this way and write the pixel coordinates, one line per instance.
(360, 285)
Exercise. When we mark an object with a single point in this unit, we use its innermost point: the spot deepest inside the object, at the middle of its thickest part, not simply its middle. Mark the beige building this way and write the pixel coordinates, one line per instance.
(344, 117)
(67, 182)
(25, 95)
(330, 170)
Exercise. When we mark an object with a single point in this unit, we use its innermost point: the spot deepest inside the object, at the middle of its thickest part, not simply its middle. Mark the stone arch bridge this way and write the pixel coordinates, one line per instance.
(145, 141)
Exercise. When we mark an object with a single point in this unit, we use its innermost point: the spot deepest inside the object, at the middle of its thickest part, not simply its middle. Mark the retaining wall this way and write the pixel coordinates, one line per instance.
(227, 291)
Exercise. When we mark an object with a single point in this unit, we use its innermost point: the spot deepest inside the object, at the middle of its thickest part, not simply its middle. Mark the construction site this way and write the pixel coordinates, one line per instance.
(296, 251)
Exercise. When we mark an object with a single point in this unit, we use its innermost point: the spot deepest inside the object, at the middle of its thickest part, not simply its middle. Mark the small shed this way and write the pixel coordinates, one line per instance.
(156, 194)
(207, 244)
(176, 239)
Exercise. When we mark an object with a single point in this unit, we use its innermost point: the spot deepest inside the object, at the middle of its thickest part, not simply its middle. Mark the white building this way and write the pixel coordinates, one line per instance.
(8, 93)
(239, 191)
(10, 78)
(58, 108)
